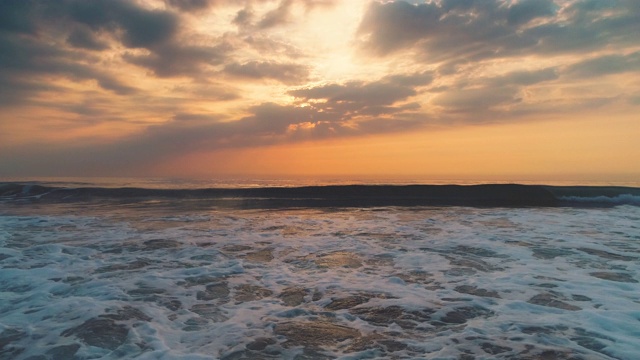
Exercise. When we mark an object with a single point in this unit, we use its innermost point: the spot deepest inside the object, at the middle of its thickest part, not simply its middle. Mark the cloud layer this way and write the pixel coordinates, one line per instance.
(119, 84)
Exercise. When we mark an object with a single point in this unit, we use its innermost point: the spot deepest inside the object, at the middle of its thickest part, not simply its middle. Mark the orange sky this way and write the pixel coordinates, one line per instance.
(498, 89)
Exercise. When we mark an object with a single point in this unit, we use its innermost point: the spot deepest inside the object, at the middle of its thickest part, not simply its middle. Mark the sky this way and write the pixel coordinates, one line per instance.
(465, 89)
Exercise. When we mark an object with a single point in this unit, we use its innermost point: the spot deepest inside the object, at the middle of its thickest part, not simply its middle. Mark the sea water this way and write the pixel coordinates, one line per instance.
(180, 279)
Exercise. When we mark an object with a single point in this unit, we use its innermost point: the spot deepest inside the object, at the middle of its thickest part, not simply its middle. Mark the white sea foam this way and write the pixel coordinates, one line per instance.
(437, 283)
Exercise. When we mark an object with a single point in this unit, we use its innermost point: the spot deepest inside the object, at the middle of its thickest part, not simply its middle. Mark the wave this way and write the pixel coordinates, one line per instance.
(486, 195)
(625, 199)
(596, 195)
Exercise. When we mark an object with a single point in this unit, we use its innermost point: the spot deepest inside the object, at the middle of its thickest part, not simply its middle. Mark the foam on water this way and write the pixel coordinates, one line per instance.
(169, 282)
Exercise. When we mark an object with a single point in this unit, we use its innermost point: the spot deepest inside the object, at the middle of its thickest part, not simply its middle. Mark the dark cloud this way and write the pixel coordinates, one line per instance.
(286, 73)
(486, 97)
(356, 101)
(17, 16)
(191, 5)
(174, 59)
(24, 60)
(140, 27)
(85, 39)
(396, 25)
(31, 53)
(157, 31)
(524, 11)
(478, 30)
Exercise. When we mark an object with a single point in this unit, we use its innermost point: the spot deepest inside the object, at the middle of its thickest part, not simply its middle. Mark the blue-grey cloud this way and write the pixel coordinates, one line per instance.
(27, 56)
(526, 10)
(17, 16)
(86, 39)
(356, 101)
(140, 27)
(447, 31)
(191, 5)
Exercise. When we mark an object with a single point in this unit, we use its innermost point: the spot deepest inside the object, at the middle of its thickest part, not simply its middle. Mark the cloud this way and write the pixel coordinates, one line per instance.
(396, 25)
(523, 77)
(415, 79)
(183, 76)
(524, 11)
(277, 16)
(606, 65)
(476, 100)
(24, 59)
(264, 44)
(287, 73)
(377, 93)
(85, 39)
(41, 41)
(286, 12)
(140, 27)
(110, 83)
(174, 59)
(191, 5)
(186, 133)
(493, 29)
(15, 91)
(244, 17)
(17, 16)
(156, 31)
(356, 103)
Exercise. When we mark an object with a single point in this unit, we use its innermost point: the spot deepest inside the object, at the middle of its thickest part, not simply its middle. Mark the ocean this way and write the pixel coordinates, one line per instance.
(158, 270)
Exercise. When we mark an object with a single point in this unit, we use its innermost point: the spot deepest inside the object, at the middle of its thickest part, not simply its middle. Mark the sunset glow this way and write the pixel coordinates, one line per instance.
(440, 89)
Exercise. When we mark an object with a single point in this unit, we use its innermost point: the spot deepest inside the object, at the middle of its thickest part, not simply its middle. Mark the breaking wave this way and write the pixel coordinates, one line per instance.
(486, 195)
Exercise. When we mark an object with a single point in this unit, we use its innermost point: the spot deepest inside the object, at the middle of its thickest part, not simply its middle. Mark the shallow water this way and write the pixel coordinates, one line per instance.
(160, 280)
